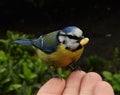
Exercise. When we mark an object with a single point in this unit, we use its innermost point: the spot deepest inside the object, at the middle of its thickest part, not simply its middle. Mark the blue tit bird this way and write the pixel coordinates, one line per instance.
(59, 48)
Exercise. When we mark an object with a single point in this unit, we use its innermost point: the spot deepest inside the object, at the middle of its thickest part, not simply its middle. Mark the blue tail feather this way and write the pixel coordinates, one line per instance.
(23, 41)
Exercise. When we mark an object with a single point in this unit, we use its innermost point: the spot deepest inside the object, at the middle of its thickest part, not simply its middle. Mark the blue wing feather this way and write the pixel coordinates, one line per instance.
(24, 41)
(44, 47)
(47, 43)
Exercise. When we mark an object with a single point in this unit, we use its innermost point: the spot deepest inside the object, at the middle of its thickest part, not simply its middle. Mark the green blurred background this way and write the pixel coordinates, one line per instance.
(22, 72)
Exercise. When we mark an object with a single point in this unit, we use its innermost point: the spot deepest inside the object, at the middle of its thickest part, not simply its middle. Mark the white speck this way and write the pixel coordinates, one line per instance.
(108, 35)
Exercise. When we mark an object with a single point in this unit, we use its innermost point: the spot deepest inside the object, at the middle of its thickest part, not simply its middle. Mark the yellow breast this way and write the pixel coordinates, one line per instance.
(61, 57)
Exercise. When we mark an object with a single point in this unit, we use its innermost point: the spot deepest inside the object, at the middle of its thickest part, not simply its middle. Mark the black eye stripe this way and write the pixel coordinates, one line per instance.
(70, 36)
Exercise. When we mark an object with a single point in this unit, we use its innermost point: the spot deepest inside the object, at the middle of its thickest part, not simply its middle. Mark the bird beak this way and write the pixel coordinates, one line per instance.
(84, 41)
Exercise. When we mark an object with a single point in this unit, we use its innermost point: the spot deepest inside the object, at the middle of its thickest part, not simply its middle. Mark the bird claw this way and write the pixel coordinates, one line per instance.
(53, 73)
(74, 68)
(56, 76)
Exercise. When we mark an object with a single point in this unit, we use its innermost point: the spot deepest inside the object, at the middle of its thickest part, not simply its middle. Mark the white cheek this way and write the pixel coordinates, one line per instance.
(72, 44)
(61, 38)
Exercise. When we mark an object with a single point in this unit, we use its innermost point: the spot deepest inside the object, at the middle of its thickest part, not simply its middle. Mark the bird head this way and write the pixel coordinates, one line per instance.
(72, 37)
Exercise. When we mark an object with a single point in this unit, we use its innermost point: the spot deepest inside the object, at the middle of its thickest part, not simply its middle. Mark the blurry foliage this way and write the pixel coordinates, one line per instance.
(97, 64)
(22, 72)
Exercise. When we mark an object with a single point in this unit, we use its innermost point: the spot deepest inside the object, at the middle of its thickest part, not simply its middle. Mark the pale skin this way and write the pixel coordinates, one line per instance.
(78, 83)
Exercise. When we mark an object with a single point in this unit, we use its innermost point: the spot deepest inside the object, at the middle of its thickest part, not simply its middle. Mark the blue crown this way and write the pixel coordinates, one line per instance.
(69, 29)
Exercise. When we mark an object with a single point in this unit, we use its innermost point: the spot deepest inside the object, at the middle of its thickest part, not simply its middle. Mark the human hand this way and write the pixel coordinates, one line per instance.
(78, 83)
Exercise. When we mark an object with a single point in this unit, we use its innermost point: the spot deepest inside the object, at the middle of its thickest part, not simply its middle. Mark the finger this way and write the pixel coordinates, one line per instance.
(88, 83)
(54, 86)
(103, 88)
(73, 83)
